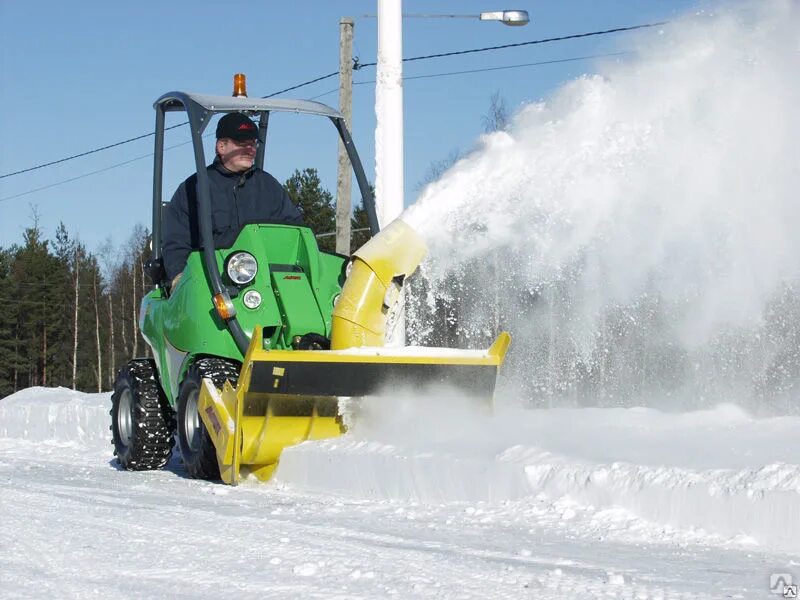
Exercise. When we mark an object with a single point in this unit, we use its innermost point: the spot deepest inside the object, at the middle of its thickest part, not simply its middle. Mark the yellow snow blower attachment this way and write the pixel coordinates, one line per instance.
(285, 397)
(258, 298)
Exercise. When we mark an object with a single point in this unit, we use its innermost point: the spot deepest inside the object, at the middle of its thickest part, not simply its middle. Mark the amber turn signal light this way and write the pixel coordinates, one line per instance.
(224, 306)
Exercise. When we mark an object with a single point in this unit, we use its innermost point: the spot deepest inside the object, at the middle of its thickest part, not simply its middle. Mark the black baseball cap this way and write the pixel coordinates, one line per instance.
(237, 126)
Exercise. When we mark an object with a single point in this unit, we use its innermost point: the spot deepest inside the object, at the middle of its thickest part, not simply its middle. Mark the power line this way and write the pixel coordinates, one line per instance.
(483, 70)
(121, 164)
(427, 76)
(562, 38)
(356, 66)
(140, 137)
(533, 64)
(294, 87)
(87, 153)
(51, 185)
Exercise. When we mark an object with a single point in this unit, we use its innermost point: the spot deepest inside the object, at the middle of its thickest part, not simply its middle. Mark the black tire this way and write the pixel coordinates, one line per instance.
(142, 422)
(197, 449)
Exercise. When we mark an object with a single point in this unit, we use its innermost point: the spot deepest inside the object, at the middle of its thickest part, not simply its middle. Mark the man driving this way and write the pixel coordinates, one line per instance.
(240, 194)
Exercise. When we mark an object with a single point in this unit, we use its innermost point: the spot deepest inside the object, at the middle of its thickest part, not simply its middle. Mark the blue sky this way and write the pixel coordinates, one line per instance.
(76, 76)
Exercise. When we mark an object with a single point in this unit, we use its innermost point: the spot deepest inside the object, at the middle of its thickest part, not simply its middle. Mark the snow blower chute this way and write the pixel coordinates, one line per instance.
(251, 366)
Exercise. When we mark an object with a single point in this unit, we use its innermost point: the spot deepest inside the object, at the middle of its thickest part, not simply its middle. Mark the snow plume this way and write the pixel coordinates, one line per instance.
(638, 232)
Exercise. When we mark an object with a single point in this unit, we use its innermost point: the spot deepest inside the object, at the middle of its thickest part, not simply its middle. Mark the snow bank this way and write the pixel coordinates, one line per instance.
(752, 505)
(375, 470)
(717, 474)
(56, 414)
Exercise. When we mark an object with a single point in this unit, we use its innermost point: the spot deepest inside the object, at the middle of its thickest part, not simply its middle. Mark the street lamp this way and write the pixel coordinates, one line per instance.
(512, 18)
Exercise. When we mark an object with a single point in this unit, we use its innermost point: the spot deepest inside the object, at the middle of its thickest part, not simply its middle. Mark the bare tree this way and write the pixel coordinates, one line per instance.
(109, 258)
(122, 320)
(97, 337)
(135, 249)
(497, 119)
(134, 304)
(111, 367)
(141, 296)
(437, 168)
(44, 354)
(75, 321)
(16, 366)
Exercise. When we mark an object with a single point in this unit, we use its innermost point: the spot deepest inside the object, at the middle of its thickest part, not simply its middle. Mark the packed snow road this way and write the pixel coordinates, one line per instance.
(469, 513)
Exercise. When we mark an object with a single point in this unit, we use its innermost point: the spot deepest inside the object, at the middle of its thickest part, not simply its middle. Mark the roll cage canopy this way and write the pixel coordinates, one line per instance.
(200, 108)
(176, 101)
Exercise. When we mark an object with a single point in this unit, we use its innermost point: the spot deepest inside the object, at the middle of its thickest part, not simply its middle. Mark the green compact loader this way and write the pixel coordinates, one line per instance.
(256, 343)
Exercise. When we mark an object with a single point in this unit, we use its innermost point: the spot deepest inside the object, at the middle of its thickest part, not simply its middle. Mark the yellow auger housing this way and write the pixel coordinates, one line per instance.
(373, 286)
(285, 397)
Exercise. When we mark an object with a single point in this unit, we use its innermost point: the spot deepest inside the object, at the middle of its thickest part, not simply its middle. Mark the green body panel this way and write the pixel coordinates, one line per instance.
(297, 283)
(298, 305)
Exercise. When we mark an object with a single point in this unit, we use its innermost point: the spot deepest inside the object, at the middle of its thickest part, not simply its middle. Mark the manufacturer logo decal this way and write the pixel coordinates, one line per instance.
(212, 416)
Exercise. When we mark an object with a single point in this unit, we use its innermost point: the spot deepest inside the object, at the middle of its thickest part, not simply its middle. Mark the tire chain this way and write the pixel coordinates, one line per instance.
(218, 370)
(153, 419)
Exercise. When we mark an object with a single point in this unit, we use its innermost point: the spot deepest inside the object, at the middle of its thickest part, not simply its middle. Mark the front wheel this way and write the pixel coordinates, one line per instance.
(197, 449)
(142, 423)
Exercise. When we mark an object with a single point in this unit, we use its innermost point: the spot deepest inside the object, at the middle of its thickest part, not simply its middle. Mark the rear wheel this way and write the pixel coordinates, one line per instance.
(197, 449)
(142, 423)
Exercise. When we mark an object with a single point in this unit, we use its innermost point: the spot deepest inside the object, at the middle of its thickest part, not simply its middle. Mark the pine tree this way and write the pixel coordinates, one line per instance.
(317, 205)
(76, 305)
(8, 318)
(37, 280)
(60, 337)
(359, 228)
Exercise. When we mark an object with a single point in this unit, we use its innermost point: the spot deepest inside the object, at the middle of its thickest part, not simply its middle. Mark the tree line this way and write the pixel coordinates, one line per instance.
(70, 316)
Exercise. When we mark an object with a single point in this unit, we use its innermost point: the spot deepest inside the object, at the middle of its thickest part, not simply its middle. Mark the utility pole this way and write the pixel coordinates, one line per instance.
(344, 178)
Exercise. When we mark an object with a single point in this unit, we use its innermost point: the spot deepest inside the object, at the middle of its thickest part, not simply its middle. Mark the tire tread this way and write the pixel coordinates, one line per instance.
(153, 420)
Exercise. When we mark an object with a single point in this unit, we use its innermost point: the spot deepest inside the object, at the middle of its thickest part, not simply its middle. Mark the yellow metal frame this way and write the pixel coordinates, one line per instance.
(249, 443)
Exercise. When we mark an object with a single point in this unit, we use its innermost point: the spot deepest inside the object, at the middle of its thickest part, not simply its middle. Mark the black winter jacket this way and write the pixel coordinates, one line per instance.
(237, 199)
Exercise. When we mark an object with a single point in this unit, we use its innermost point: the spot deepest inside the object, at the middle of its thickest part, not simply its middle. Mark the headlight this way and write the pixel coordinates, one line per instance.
(242, 268)
(252, 299)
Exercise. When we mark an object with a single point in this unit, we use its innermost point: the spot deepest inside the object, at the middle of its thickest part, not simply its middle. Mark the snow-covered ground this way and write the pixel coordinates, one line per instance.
(436, 502)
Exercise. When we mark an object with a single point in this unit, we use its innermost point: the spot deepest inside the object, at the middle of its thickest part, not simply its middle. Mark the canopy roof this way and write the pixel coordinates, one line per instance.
(178, 101)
